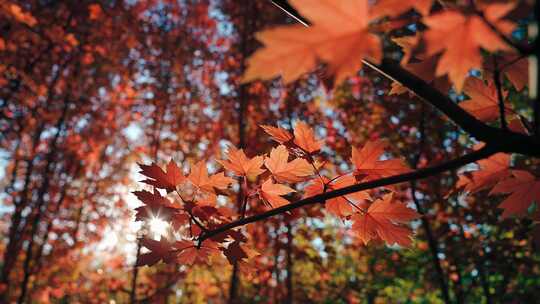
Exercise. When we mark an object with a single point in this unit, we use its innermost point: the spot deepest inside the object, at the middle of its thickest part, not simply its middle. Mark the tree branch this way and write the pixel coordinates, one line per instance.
(533, 90)
(504, 140)
(507, 141)
(321, 198)
(522, 49)
(498, 85)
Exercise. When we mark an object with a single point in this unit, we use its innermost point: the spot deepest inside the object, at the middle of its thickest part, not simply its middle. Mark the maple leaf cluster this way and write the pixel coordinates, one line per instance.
(471, 43)
(450, 44)
(272, 179)
(495, 173)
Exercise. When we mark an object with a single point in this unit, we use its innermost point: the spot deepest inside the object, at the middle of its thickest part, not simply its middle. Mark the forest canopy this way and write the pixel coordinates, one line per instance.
(301, 151)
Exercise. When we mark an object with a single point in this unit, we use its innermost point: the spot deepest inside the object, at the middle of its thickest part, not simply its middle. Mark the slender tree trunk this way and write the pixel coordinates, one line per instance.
(242, 106)
(14, 238)
(534, 92)
(289, 281)
(11, 185)
(17, 212)
(483, 279)
(460, 292)
(15, 233)
(41, 202)
(432, 241)
(38, 260)
(135, 274)
(371, 291)
(169, 270)
(158, 119)
(23, 198)
(275, 268)
(433, 247)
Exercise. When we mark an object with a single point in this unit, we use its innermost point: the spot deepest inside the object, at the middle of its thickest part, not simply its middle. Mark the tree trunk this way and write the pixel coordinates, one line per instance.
(432, 241)
(41, 202)
(242, 106)
(289, 248)
(15, 232)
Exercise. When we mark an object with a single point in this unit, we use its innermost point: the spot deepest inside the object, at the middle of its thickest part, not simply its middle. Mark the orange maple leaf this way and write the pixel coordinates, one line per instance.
(484, 102)
(305, 138)
(491, 170)
(382, 220)
(424, 69)
(284, 171)
(188, 253)
(290, 51)
(155, 205)
(159, 250)
(278, 134)
(394, 8)
(235, 252)
(516, 70)
(272, 193)
(460, 37)
(342, 205)
(524, 189)
(241, 165)
(417, 63)
(163, 179)
(199, 178)
(408, 45)
(369, 167)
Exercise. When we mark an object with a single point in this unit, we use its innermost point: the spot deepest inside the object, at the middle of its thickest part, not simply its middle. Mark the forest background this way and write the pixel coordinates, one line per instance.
(440, 172)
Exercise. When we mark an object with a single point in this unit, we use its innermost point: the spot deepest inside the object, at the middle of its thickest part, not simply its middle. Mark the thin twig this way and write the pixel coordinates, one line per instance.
(245, 197)
(522, 49)
(500, 98)
(196, 221)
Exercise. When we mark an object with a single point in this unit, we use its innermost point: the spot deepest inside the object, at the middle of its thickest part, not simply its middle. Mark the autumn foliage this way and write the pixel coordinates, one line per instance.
(375, 216)
(327, 151)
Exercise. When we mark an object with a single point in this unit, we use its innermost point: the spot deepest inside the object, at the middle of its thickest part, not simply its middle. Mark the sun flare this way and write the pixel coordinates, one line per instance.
(158, 226)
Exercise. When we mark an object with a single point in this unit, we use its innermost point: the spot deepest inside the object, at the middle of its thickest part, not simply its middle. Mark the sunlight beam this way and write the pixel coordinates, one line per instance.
(158, 226)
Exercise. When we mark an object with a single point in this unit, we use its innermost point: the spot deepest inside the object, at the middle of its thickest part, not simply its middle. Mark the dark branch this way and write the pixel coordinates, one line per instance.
(536, 101)
(497, 140)
(522, 49)
(498, 85)
(503, 140)
(321, 198)
(289, 10)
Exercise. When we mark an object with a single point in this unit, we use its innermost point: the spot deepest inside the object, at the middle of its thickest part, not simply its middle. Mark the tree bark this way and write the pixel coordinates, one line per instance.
(41, 201)
(158, 119)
